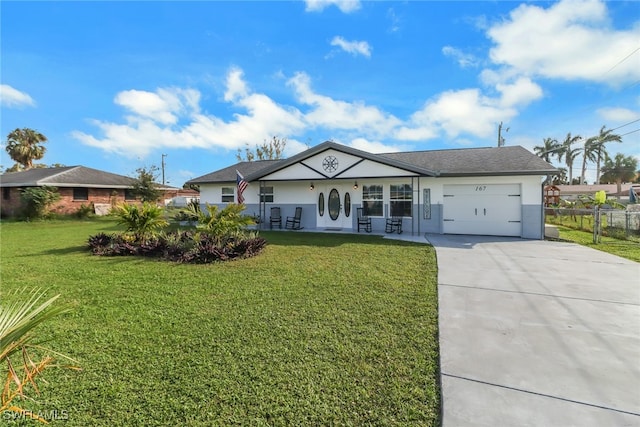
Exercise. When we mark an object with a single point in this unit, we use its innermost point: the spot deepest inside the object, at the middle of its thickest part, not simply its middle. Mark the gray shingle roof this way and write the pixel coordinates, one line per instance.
(228, 174)
(69, 176)
(511, 160)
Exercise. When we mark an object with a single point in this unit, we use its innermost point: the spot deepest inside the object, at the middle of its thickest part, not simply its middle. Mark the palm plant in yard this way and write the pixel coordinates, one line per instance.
(25, 145)
(143, 222)
(20, 314)
(595, 150)
(226, 222)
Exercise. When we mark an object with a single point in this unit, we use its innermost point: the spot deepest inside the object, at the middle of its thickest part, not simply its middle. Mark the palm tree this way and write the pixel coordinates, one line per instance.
(25, 145)
(548, 148)
(621, 169)
(588, 155)
(602, 139)
(569, 153)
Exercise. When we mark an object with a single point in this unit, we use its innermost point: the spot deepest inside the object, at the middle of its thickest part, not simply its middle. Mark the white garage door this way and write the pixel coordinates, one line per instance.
(489, 209)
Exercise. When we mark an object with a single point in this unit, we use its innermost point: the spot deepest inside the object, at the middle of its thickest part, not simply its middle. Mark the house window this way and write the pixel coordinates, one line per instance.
(266, 194)
(372, 200)
(129, 194)
(228, 195)
(80, 193)
(6, 193)
(400, 196)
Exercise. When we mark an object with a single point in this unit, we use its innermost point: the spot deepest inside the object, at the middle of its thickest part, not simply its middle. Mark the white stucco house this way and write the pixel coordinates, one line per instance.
(487, 191)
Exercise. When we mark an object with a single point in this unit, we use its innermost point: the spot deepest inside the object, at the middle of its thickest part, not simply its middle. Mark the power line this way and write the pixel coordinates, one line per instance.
(622, 60)
(633, 131)
(626, 124)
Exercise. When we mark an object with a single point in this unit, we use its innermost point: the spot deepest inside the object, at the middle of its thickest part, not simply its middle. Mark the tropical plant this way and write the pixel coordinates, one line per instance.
(604, 137)
(20, 313)
(569, 153)
(25, 145)
(619, 169)
(38, 200)
(145, 186)
(226, 222)
(143, 222)
(550, 147)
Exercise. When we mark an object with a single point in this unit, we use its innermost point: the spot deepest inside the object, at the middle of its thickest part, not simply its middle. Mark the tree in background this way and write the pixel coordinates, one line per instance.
(145, 186)
(550, 147)
(603, 138)
(24, 146)
(569, 153)
(619, 169)
(268, 150)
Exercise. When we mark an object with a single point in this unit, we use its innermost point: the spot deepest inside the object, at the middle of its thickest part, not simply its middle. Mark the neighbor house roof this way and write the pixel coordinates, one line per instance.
(68, 176)
(512, 160)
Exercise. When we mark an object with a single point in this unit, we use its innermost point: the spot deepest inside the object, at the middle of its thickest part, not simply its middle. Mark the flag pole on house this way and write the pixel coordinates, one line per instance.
(241, 186)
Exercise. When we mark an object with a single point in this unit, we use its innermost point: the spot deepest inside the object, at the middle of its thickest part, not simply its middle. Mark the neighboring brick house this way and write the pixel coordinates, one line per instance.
(77, 185)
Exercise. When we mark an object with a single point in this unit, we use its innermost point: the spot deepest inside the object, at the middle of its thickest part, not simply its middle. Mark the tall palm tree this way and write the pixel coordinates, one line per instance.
(588, 155)
(569, 153)
(603, 138)
(620, 169)
(548, 148)
(25, 145)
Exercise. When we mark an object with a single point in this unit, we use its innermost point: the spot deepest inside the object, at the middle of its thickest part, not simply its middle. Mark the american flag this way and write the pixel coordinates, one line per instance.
(242, 185)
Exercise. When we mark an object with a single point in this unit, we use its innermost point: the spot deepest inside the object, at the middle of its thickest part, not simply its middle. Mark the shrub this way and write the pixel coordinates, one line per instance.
(38, 200)
(84, 211)
(183, 246)
(143, 222)
(226, 222)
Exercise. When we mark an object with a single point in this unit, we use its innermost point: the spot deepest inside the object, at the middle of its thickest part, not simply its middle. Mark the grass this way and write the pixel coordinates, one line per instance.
(624, 248)
(320, 329)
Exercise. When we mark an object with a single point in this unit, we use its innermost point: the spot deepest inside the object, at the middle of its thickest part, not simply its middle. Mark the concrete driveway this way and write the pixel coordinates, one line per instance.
(537, 333)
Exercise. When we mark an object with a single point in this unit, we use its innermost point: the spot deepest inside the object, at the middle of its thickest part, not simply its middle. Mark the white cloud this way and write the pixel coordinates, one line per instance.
(172, 118)
(346, 6)
(618, 115)
(11, 97)
(341, 115)
(352, 47)
(464, 60)
(571, 39)
(163, 106)
(374, 146)
(522, 92)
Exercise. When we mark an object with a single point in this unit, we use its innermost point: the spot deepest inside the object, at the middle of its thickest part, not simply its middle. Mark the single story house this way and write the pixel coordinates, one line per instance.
(487, 191)
(77, 185)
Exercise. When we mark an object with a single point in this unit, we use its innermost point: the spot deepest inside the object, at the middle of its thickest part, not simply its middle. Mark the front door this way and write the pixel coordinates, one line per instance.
(336, 212)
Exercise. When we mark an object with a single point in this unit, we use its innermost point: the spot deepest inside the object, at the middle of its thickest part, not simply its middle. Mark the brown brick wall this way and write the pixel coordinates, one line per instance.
(67, 204)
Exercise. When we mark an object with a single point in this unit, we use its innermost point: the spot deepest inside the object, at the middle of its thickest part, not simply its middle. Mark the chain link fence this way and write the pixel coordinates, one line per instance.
(616, 223)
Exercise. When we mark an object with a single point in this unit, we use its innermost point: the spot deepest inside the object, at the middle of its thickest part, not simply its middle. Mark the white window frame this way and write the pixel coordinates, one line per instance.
(402, 195)
(228, 194)
(370, 195)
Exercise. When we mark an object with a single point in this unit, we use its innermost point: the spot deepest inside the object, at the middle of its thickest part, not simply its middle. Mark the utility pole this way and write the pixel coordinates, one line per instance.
(500, 138)
(163, 156)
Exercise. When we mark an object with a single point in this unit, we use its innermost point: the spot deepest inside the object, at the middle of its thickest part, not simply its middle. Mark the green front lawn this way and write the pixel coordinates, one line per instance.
(629, 249)
(320, 329)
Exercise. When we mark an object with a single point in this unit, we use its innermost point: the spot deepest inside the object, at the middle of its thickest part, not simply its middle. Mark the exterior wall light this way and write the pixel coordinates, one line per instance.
(355, 185)
(311, 186)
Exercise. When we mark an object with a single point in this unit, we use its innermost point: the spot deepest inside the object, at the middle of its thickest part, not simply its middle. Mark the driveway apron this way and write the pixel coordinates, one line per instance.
(537, 333)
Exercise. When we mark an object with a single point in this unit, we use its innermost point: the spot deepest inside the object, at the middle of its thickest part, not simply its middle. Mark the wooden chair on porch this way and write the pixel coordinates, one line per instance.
(275, 218)
(363, 221)
(293, 222)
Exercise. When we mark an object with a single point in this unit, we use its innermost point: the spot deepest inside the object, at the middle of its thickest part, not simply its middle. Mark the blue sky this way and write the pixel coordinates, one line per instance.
(115, 85)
